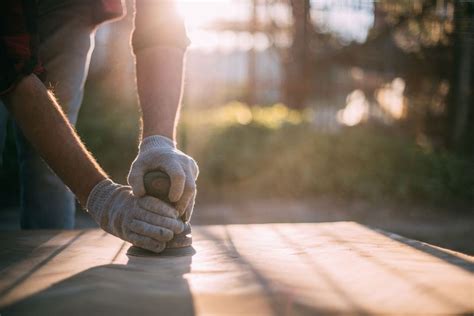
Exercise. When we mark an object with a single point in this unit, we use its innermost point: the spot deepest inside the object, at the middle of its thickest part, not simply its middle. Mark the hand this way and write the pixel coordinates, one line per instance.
(145, 222)
(160, 153)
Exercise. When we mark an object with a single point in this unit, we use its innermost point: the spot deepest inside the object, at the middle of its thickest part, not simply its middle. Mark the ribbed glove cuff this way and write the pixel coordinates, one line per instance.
(99, 197)
(156, 141)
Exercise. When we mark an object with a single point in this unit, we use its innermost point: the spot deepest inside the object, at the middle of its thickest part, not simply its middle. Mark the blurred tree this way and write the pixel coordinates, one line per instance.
(298, 70)
(251, 67)
(439, 36)
(426, 43)
(430, 45)
(461, 118)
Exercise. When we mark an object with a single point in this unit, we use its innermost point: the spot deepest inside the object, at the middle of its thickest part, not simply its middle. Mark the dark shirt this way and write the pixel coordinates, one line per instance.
(156, 23)
(18, 42)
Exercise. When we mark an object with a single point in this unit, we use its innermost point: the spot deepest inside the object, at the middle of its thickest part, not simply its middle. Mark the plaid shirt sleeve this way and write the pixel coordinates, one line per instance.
(18, 42)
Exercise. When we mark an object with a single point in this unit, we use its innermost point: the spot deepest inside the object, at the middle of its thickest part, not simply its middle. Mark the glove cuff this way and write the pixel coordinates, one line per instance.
(156, 141)
(100, 196)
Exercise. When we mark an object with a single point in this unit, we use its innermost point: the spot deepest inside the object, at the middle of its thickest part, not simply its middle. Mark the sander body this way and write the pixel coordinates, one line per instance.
(157, 184)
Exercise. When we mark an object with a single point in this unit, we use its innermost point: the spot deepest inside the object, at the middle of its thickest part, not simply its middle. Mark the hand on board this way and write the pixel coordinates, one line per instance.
(145, 221)
(160, 153)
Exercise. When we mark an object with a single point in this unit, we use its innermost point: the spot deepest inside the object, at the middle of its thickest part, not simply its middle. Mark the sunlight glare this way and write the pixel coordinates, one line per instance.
(356, 110)
(391, 98)
(200, 13)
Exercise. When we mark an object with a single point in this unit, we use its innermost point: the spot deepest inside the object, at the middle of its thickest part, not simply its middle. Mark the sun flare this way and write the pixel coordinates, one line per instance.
(200, 13)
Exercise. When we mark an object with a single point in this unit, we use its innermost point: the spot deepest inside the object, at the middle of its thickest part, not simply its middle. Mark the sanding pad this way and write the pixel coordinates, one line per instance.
(168, 252)
(179, 246)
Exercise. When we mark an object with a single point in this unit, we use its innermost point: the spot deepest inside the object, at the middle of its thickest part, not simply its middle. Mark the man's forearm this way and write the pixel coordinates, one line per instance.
(46, 127)
(159, 82)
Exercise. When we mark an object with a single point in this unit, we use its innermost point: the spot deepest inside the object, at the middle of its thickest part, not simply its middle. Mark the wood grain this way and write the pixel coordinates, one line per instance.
(262, 269)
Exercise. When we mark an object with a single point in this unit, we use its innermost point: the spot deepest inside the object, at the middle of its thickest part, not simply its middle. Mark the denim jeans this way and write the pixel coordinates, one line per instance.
(67, 38)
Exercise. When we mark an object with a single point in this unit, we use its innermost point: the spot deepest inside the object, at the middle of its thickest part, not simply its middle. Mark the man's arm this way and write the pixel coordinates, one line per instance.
(159, 43)
(146, 222)
(46, 127)
(159, 84)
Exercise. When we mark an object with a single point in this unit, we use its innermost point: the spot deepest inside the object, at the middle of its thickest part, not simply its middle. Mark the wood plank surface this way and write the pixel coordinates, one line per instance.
(261, 269)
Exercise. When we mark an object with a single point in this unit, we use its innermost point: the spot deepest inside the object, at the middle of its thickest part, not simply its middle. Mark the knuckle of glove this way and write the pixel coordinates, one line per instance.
(149, 244)
(156, 233)
(177, 226)
(163, 234)
(190, 164)
(156, 206)
(173, 225)
(149, 217)
(154, 219)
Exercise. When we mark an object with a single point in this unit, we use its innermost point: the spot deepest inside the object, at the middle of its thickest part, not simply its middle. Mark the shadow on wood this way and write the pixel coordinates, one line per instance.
(265, 269)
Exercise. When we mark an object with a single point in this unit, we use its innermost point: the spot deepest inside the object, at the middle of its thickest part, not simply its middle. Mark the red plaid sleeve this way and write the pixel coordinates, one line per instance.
(18, 42)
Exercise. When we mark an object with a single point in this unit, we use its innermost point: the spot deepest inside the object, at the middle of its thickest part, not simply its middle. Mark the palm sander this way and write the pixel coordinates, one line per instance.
(157, 184)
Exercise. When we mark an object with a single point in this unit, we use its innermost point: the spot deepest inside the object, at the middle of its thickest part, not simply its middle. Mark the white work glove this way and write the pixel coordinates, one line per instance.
(160, 153)
(145, 222)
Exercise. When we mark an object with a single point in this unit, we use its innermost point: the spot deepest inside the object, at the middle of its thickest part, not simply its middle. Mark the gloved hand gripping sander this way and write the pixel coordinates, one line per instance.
(157, 184)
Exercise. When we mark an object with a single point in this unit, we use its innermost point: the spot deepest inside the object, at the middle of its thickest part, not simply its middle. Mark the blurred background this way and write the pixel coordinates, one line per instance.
(306, 111)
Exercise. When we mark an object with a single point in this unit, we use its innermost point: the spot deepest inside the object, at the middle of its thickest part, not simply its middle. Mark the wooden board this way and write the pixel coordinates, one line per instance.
(266, 269)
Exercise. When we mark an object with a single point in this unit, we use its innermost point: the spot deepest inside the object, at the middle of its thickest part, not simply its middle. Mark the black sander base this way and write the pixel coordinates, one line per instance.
(179, 246)
(157, 184)
(168, 252)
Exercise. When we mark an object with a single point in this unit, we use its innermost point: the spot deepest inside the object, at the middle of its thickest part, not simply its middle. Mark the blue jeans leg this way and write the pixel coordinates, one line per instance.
(66, 31)
(45, 200)
(46, 203)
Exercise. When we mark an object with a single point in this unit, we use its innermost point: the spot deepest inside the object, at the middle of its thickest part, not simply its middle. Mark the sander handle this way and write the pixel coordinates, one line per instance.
(157, 184)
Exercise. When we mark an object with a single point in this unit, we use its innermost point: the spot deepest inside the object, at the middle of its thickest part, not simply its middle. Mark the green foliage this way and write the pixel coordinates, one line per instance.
(109, 125)
(277, 152)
